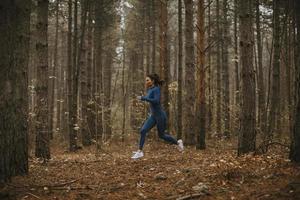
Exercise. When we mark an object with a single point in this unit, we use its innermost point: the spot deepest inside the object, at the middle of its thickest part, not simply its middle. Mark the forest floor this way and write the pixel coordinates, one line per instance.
(163, 173)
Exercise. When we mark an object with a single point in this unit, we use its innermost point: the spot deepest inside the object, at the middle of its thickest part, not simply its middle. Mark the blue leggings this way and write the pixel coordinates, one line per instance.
(160, 123)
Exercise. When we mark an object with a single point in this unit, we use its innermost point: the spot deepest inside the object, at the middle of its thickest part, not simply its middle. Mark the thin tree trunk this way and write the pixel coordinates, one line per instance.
(107, 74)
(42, 125)
(72, 133)
(180, 74)
(90, 104)
(55, 78)
(164, 70)
(190, 74)
(262, 117)
(225, 69)
(82, 69)
(200, 78)
(148, 25)
(218, 66)
(275, 98)
(236, 66)
(210, 74)
(98, 65)
(153, 24)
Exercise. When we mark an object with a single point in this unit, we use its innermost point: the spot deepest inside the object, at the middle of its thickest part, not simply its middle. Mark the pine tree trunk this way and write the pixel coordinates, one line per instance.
(148, 24)
(98, 65)
(164, 70)
(218, 66)
(210, 74)
(275, 95)
(189, 74)
(55, 78)
(200, 78)
(246, 142)
(42, 149)
(91, 118)
(295, 144)
(72, 133)
(14, 48)
(262, 117)
(107, 75)
(82, 69)
(153, 24)
(236, 67)
(180, 74)
(75, 76)
(225, 68)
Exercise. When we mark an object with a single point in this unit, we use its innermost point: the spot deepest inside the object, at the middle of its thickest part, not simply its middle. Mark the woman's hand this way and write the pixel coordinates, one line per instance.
(139, 97)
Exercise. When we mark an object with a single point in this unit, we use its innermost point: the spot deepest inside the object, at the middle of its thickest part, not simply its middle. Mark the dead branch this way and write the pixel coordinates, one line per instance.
(33, 195)
(190, 196)
(264, 147)
(42, 186)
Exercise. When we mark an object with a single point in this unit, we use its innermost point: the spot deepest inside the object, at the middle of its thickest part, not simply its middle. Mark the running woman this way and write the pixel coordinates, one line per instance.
(157, 116)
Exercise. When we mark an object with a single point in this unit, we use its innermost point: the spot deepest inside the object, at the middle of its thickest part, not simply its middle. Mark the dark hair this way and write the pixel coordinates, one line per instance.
(156, 80)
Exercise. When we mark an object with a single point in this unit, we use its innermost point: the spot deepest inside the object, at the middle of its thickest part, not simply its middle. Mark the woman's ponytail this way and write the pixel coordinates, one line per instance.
(156, 80)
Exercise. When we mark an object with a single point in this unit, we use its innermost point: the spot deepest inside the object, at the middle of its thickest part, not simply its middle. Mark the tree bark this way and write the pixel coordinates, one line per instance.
(153, 24)
(295, 144)
(218, 37)
(246, 140)
(262, 117)
(14, 48)
(164, 70)
(98, 56)
(71, 130)
(180, 74)
(189, 74)
(275, 96)
(225, 69)
(200, 78)
(42, 149)
(82, 69)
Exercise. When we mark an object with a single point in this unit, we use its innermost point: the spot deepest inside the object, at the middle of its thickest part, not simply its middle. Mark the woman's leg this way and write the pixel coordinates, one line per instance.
(148, 125)
(161, 128)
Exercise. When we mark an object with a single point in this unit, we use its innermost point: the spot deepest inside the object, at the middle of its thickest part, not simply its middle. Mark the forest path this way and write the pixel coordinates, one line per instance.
(163, 173)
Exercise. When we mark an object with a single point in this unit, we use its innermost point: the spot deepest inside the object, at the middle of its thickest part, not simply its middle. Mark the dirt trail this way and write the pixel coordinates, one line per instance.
(164, 173)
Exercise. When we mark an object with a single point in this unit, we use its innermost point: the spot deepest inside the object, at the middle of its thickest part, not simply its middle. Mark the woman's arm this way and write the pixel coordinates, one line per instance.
(155, 99)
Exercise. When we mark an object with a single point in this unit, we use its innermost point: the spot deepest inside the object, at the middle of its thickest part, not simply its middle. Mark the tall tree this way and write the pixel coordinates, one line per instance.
(261, 85)
(91, 119)
(53, 99)
(153, 25)
(295, 144)
(189, 74)
(200, 78)
(218, 37)
(99, 7)
(225, 68)
(14, 43)
(42, 125)
(72, 133)
(180, 74)
(246, 142)
(82, 69)
(236, 63)
(275, 95)
(163, 62)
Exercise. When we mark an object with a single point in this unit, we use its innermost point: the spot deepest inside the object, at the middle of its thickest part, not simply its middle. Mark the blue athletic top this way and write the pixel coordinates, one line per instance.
(153, 97)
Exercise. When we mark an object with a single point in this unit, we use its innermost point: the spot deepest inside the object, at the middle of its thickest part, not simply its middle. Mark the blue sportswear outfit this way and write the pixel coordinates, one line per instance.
(158, 117)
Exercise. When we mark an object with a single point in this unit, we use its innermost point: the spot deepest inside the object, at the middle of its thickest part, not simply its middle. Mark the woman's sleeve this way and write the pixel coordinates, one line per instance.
(155, 99)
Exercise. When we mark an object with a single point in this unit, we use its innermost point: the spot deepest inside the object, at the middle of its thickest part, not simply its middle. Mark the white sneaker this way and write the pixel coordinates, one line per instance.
(137, 154)
(180, 145)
